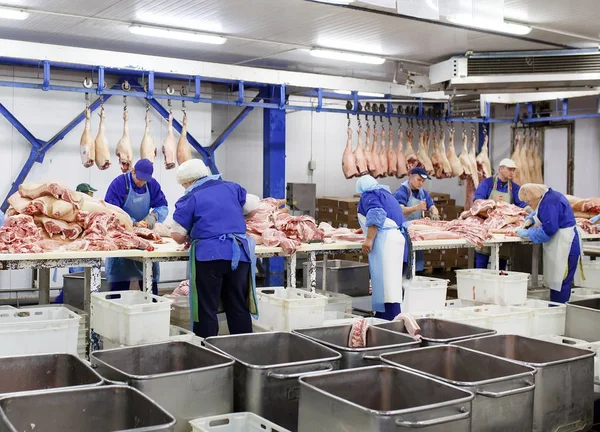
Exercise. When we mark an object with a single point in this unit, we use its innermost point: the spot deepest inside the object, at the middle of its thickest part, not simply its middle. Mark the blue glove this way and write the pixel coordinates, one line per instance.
(530, 217)
(538, 235)
(523, 233)
(595, 219)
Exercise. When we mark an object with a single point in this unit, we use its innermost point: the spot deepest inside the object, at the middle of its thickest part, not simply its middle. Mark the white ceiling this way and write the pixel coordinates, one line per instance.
(267, 33)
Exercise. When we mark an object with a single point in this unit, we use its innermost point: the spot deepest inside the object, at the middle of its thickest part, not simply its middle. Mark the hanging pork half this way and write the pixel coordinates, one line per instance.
(515, 157)
(359, 155)
(447, 172)
(473, 161)
(375, 155)
(455, 163)
(392, 156)
(348, 162)
(101, 143)
(368, 151)
(539, 175)
(148, 148)
(423, 153)
(169, 147)
(483, 159)
(87, 147)
(383, 161)
(402, 170)
(465, 163)
(124, 147)
(436, 159)
(411, 157)
(184, 151)
(525, 175)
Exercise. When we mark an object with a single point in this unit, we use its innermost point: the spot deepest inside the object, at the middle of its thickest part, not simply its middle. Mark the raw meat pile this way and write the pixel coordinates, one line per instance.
(584, 208)
(497, 217)
(587, 226)
(49, 216)
(332, 235)
(528, 159)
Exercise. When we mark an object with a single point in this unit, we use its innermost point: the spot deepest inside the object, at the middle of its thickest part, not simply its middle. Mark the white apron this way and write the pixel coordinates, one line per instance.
(386, 262)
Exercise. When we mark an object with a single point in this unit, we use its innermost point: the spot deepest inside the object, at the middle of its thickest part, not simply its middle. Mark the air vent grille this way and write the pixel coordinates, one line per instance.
(534, 65)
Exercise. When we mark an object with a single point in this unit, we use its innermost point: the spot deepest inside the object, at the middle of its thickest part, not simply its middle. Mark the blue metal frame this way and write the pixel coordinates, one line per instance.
(235, 123)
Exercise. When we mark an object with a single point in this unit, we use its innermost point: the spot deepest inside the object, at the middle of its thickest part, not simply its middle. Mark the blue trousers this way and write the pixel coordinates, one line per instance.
(391, 311)
(482, 261)
(564, 294)
(124, 286)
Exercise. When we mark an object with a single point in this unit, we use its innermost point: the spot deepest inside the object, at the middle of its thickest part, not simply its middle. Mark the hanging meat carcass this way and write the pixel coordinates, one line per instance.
(455, 164)
(148, 148)
(368, 150)
(523, 162)
(184, 152)
(465, 163)
(483, 160)
(383, 160)
(348, 162)
(447, 172)
(169, 147)
(359, 155)
(436, 159)
(515, 157)
(411, 157)
(124, 148)
(402, 170)
(539, 175)
(87, 147)
(377, 170)
(423, 153)
(473, 161)
(392, 156)
(101, 144)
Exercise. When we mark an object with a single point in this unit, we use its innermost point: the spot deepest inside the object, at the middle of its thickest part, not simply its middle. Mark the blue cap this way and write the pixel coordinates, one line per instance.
(420, 171)
(144, 170)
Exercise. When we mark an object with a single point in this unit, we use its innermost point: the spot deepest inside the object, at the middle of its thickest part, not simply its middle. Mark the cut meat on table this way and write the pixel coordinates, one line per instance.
(348, 160)
(56, 190)
(20, 234)
(584, 205)
(61, 228)
(87, 147)
(146, 233)
(52, 207)
(162, 230)
(169, 147)
(587, 226)
(101, 143)
(124, 147)
(18, 203)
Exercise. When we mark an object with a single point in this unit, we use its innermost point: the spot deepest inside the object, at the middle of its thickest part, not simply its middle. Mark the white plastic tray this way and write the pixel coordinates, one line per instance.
(287, 309)
(239, 422)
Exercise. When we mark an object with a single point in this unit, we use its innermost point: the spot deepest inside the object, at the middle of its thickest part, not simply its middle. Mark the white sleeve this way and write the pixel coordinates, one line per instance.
(252, 202)
(175, 227)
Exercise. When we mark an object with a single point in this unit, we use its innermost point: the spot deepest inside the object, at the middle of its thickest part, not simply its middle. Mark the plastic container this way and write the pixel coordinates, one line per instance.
(584, 294)
(505, 319)
(591, 271)
(131, 317)
(461, 303)
(38, 330)
(548, 317)
(562, 340)
(286, 309)
(180, 309)
(339, 318)
(336, 302)
(488, 286)
(455, 315)
(175, 334)
(423, 294)
(239, 422)
(594, 346)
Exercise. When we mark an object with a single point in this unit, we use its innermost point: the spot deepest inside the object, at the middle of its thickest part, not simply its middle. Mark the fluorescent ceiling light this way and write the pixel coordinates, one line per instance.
(367, 94)
(347, 56)
(499, 26)
(13, 13)
(183, 35)
(337, 2)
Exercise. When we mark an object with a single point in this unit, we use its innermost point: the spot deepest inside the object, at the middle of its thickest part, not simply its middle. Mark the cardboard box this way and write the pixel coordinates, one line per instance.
(436, 196)
(443, 203)
(326, 209)
(347, 224)
(330, 202)
(348, 203)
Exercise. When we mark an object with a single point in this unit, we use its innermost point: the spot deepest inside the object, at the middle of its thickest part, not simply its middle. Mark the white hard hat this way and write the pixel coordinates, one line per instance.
(508, 163)
(191, 170)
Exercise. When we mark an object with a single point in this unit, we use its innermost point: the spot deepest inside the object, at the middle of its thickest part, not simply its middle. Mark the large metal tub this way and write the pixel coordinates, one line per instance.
(73, 288)
(267, 368)
(96, 409)
(44, 372)
(503, 389)
(379, 341)
(187, 380)
(381, 399)
(564, 390)
(346, 277)
(583, 319)
(439, 332)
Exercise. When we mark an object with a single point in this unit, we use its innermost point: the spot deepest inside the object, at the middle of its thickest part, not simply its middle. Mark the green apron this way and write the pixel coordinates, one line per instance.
(505, 250)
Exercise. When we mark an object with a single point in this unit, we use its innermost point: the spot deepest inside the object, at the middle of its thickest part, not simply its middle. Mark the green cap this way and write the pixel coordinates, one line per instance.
(85, 188)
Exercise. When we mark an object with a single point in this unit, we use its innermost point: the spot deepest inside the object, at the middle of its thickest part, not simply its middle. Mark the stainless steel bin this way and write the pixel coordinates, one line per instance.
(346, 277)
(564, 391)
(96, 409)
(381, 399)
(583, 319)
(189, 381)
(379, 341)
(267, 368)
(439, 332)
(503, 389)
(44, 372)
(73, 286)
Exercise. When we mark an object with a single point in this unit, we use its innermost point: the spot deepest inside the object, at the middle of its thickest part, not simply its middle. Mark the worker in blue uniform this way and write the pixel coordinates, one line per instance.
(415, 200)
(553, 225)
(386, 243)
(498, 188)
(143, 200)
(210, 215)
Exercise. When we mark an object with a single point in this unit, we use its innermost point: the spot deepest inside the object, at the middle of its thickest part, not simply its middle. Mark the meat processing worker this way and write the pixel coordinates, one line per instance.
(414, 200)
(553, 226)
(143, 200)
(386, 243)
(498, 188)
(210, 215)
(86, 189)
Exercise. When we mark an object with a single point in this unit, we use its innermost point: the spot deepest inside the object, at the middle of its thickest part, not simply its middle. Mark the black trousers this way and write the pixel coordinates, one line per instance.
(215, 280)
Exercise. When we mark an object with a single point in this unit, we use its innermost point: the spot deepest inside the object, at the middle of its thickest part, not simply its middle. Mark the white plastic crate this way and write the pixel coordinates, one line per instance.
(562, 340)
(505, 319)
(456, 315)
(336, 302)
(539, 294)
(175, 334)
(548, 317)
(131, 317)
(38, 330)
(583, 293)
(238, 422)
(461, 303)
(488, 286)
(287, 309)
(591, 271)
(594, 346)
(333, 318)
(180, 309)
(423, 294)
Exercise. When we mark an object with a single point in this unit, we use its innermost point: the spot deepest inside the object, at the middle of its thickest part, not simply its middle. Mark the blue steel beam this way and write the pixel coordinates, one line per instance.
(36, 143)
(234, 124)
(273, 168)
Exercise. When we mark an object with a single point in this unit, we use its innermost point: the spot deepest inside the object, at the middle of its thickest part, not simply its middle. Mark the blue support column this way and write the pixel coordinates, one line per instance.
(273, 168)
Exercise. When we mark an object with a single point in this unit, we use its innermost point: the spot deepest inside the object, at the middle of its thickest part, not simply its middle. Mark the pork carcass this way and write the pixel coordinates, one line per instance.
(377, 171)
(531, 165)
(148, 148)
(169, 147)
(447, 173)
(473, 161)
(423, 153)
(18, 203)
(465, 163)
(184, 153)
(359, 155)
(348, 162)
(86, 144)
(124, 147)
(402, 171)
(483, 159)
(539, 176)
(411, 157)
(56, 190)
(66, 230)
(102, 150)
(90, 205)
(455, 164)
(368, 150)
(523, 162)
(392, 156)
(52, 207)
(383, 160)
(436, 159)
(515, 157)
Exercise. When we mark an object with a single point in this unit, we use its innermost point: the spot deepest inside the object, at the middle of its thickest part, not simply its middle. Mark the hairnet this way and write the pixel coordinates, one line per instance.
(365, 183)
(532, 191)
(191, 170)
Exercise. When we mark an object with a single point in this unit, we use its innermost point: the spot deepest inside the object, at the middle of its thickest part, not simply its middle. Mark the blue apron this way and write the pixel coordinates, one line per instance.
(412, 201)
(137, 206)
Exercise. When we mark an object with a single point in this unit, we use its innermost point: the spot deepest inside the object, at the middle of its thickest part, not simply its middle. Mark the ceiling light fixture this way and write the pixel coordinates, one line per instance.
(366, 94)
(337, 2)
(346, 56)
(13, 13)
(499, 26)
(167, 33)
